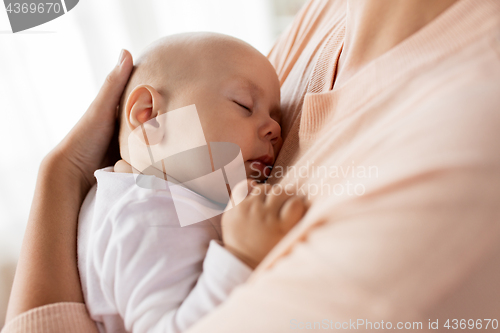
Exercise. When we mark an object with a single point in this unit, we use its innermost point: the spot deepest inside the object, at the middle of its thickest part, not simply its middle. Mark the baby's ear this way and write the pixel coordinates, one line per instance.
(143, 106)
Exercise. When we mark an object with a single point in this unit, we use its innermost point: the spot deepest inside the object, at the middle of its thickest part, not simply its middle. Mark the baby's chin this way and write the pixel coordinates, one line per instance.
(257, 179)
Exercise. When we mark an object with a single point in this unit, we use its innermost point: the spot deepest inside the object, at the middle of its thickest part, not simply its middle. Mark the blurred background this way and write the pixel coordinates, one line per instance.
(50, 74)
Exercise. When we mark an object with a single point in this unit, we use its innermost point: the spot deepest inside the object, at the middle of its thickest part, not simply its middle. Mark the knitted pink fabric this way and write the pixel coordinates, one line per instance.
(402, 166)
(53, 318)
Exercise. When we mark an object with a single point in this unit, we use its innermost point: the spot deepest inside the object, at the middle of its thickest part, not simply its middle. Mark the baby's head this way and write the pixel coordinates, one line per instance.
(234, 87)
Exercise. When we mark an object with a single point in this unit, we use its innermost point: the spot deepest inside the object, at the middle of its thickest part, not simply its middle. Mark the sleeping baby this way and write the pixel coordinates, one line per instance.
(154, 254)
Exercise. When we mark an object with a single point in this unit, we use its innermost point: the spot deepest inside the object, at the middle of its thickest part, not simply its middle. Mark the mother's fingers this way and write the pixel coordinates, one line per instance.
(109, 96)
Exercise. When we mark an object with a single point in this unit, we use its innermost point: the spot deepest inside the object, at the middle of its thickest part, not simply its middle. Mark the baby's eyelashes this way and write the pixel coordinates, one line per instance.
(244, 106)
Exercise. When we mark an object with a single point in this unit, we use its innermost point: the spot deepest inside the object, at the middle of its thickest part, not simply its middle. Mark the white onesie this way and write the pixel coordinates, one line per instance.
(140, 270)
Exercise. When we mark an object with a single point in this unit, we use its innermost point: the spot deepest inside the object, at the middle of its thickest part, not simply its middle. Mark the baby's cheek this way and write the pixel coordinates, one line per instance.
(277, 147)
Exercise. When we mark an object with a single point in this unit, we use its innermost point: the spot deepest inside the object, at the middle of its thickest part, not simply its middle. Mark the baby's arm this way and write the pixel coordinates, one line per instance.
(250, 231)
(222, 272)
(258, 223)
(150, 268)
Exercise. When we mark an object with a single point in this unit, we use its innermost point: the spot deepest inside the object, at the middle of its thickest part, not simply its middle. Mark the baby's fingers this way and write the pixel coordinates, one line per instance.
(275, 200)
(242, 189)
(260, 191)
(291, 212)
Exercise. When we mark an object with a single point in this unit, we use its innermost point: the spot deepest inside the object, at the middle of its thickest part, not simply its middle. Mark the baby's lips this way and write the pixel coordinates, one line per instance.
(261, 168)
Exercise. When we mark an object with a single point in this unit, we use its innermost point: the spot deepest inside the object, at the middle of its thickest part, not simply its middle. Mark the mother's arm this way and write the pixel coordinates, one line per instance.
(47, 269)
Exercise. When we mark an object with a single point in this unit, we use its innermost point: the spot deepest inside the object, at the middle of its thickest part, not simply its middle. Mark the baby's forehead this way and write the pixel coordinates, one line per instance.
(174, 61)
(182, 58)
(203, 45)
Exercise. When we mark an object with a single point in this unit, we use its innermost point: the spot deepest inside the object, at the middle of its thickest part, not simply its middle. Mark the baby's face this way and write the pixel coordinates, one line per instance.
(234, 87)
(237, 96)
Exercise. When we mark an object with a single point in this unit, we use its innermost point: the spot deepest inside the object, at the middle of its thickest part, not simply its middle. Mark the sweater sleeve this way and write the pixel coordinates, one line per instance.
(53, 318)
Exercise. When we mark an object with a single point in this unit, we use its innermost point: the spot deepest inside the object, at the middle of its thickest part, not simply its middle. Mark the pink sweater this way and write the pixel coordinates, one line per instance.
(402, 166)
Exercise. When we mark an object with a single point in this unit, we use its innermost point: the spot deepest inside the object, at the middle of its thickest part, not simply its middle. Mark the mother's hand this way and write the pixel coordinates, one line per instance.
(47, 270)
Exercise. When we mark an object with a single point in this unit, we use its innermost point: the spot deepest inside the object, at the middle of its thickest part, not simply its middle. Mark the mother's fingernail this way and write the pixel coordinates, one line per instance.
(122, 57)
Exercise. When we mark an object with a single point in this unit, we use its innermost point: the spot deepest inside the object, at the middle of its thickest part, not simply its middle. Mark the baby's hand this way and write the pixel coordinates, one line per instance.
(252, 228)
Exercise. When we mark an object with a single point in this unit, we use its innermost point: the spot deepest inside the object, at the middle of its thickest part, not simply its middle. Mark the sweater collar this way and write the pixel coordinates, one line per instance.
(464, 22)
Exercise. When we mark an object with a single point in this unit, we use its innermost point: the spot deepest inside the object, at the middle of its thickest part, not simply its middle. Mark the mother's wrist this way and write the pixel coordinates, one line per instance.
(58, 169)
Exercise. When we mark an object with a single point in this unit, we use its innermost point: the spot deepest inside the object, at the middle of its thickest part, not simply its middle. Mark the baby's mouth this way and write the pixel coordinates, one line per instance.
(261, 166)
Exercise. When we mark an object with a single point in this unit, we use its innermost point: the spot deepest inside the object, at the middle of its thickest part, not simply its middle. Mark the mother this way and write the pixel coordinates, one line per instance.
(409, 89)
